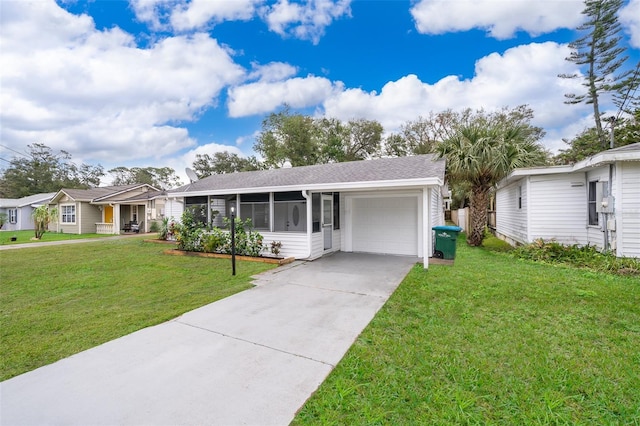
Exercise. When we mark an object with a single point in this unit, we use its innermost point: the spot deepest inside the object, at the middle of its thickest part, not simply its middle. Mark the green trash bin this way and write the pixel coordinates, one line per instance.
(445, 241)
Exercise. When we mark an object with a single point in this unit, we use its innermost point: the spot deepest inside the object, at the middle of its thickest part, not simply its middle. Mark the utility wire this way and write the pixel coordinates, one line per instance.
(17, 152)
(628, 95)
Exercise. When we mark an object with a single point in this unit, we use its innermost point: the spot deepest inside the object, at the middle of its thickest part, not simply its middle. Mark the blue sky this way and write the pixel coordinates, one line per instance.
(155, 82)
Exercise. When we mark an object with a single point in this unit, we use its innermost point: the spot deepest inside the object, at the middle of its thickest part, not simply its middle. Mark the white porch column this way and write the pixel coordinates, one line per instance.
(116, 219)
(426, 225)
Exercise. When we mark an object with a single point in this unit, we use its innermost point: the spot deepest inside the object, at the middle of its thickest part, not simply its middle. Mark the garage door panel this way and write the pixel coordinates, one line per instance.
(385, 225)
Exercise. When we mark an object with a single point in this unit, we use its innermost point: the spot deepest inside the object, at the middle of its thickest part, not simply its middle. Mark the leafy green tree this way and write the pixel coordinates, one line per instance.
(302, 140)
(484, 148)
(582, 146)
(158, 177)
(42, 216)
(599, 49)
(625, 131)
(419, 136)
(356, 140)
(43, 170)
(223, 162)
(288, 137)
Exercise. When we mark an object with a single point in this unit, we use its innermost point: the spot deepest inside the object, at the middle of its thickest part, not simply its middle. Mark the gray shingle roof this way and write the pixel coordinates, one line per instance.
(400, 169)
(94, 193)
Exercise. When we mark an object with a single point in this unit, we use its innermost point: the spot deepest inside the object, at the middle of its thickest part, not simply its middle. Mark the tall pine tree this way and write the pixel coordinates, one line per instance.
(600, 51)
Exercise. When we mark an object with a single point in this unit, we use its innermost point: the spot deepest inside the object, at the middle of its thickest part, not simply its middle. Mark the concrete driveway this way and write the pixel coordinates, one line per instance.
(251, 359)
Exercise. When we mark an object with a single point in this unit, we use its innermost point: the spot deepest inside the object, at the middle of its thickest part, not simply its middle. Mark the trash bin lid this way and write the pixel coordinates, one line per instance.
(447, 228)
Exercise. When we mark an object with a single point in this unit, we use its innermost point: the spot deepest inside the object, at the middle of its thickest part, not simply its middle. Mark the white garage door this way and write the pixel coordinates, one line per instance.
(385, 225)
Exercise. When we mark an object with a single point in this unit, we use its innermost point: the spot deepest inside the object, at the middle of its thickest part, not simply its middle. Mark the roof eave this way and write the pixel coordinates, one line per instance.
(338, 186)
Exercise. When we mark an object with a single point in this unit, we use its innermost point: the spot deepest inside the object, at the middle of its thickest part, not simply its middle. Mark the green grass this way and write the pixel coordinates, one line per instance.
(26, 236)
(59, 300)
(492, 340)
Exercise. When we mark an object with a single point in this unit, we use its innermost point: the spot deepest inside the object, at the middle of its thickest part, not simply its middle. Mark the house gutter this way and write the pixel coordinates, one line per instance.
(307, 197)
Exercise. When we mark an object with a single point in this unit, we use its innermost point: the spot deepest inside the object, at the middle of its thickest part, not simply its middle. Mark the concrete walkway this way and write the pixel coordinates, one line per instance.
(64, 242)
(251, 359)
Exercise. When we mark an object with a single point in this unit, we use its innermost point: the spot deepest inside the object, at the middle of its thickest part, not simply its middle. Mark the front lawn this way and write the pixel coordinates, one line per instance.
(27, 235)
(492, 340)
(59, 300)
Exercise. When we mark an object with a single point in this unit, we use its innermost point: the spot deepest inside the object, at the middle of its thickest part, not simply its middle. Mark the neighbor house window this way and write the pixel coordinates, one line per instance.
(289, 212)
(68, 213)
(256, 208)
(592, 211)
(13, 215)
(198, 208)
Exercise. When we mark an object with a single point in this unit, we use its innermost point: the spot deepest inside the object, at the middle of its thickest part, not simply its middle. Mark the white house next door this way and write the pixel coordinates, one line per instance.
(327, 221)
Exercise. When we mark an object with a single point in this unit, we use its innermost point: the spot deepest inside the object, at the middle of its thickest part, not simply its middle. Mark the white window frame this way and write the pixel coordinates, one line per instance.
(63, 214)
(592, 209)
(13, 216)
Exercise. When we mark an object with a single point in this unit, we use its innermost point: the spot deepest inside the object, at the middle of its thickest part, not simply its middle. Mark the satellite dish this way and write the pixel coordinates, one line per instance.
(191, 175)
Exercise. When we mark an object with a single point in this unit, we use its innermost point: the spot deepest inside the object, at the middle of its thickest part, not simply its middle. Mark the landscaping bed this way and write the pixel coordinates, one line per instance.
(273, 260)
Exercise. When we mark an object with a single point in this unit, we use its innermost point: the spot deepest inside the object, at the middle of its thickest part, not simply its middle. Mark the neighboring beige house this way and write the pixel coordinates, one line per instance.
(107, 210)
(19, 210)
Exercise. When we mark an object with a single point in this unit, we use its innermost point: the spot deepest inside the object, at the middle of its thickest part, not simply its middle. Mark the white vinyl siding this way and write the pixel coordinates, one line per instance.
(511, 221)
(173, 209)
(436, 209)
(294, 244)
(629, 238)
(557, 208)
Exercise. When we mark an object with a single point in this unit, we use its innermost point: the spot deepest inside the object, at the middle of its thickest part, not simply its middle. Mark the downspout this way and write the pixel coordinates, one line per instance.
(606, 214)
(307, 197)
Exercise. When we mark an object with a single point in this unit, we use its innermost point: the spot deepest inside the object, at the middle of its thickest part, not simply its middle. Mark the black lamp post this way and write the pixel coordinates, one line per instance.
(233, 240)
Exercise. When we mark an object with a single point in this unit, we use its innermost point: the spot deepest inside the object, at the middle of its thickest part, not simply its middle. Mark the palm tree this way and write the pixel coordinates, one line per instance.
(481, 153)
(42, 216)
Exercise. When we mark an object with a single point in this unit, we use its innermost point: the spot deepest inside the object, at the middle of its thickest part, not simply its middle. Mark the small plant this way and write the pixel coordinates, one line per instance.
(275, 247)
(154, 226)
(579, 256)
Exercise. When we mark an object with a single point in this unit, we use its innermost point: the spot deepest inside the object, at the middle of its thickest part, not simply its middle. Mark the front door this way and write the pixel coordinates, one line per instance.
(327, 221)
(108, 214)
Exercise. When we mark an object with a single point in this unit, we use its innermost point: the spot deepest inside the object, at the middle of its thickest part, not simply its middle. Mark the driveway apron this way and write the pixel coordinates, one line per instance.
(251, 359)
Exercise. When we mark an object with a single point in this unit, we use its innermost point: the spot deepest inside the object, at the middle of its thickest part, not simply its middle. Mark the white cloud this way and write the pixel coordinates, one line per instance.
(154, 13)
(273, 71)
(84, 90)
(264, 97)
(306, 20)
(198, 13)
(630, 18)
(524, 74)
(500, 18)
